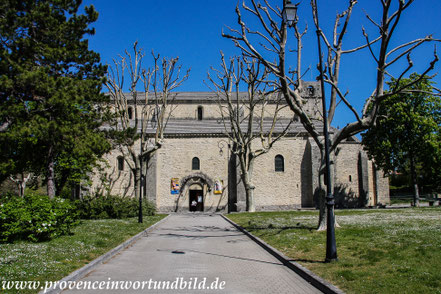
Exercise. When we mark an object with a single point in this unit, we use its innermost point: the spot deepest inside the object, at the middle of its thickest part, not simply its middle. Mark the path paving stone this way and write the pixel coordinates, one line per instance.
(189, 248)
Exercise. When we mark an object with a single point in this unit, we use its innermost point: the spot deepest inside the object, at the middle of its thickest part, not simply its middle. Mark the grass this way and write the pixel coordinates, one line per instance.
(406, 199)
(55, 259)
(379, 251)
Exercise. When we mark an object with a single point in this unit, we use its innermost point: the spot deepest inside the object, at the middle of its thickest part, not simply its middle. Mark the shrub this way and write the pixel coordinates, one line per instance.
(35, 218)
(13, 218)
(110, 206)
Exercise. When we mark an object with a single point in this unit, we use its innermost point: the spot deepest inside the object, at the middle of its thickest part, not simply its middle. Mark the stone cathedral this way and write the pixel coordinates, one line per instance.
(195, 169)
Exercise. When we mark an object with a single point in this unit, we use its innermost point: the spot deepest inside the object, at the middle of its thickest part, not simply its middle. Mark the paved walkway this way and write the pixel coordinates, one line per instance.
(189, 248)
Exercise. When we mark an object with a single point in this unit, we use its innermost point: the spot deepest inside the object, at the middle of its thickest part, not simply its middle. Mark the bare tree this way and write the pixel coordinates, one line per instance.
(21, 181)
(270, 50)
(246, 118)
(141, 116)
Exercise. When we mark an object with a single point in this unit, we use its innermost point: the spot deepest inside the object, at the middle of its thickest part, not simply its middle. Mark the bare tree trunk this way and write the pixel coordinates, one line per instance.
(23, 183)
(246, 175)
(136, 171)
(413, 175)
(21, 188)
(249, 191)
(51, 174)
(322, 201)
(323, 215)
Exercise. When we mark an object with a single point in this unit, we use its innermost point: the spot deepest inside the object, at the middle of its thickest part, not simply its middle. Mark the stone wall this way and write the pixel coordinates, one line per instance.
(108, 178)
(383, 196)
(356, 183)
(378, 186)
(281, 189)
(347, 175)
(174, 160)
(212, 111)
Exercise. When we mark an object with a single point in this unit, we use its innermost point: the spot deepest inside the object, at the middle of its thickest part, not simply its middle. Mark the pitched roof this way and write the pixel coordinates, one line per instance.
(215, 127)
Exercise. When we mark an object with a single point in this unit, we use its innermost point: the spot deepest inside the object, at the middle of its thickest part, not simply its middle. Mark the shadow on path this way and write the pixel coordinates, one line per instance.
(183, 251)
(186, 232)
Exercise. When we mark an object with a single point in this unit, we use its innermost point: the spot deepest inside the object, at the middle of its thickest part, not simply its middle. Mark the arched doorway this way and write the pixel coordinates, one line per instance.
(194, 190)
(196, 198)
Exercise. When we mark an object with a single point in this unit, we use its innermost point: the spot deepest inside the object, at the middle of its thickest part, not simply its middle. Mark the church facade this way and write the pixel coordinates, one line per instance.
(195, 170)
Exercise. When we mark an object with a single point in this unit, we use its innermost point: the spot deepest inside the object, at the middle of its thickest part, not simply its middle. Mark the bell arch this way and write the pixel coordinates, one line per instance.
(198, 179)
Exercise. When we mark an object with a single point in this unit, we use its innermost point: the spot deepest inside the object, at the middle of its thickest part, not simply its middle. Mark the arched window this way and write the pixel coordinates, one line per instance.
(195, 164)
(279, 163)
(120, 160)
(130, 112)
(200, 112)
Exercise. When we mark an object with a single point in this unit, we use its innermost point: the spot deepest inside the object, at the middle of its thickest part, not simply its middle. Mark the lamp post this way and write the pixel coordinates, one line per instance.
(221, 146)
(289, 17)
(141, 180)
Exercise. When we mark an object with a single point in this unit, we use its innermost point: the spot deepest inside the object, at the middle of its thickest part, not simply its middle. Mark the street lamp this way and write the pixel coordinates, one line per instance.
(289, 17)
(221, 146)
(289, 13)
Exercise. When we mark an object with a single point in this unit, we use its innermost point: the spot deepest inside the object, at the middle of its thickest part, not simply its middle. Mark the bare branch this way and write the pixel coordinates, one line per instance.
(362, 46)
(142, 117)
(240, 127)
(343, 98)
(371, 20)
(415, 43)
(369, 45)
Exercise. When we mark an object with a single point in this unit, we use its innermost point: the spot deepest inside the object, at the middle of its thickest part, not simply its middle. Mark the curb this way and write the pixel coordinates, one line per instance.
(306, 274)
(81, 272)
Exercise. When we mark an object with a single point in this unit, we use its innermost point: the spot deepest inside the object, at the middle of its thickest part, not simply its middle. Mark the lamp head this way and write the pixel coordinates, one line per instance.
(289, 13)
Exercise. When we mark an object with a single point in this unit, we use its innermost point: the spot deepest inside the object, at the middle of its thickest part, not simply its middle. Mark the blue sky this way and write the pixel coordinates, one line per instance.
(192, 30)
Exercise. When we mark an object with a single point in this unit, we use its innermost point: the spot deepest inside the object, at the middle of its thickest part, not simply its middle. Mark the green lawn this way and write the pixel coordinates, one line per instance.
(379, 251)
(55, 259)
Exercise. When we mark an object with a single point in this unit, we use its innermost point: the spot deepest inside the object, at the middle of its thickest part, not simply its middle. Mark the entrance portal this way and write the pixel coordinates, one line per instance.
(196, 200)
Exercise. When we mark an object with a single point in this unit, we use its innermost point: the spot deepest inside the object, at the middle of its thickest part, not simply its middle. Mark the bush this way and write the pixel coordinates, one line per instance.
(103, 207)
(35, 218)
